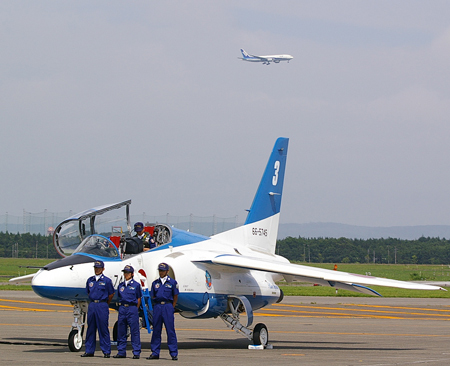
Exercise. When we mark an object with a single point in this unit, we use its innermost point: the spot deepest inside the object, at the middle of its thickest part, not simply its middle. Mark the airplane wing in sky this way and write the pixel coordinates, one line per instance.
(324, 277)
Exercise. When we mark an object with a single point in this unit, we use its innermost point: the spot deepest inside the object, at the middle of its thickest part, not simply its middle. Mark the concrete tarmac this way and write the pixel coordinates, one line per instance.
(302, 330)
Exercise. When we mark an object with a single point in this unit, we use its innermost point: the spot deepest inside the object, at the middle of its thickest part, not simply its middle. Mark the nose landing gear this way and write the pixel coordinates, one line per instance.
(75, 339)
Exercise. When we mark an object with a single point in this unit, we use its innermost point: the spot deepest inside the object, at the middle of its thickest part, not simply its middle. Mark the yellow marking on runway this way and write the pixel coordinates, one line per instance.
(33, 302)
(345, 311)
(35, 325)
(287, 310)
(341, 314)
(333, 315)
(5, 307)
(397, 307)
(365, 334)
(365, 305)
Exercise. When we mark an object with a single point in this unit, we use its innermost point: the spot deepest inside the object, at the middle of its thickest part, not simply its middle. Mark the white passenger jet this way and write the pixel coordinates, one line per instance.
(222, 276)
(266, 60)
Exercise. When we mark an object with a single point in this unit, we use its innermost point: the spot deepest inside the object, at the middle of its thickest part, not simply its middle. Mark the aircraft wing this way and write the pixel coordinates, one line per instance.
(325, 277)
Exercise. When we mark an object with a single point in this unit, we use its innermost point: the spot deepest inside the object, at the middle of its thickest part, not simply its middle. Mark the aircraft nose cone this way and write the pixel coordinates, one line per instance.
(59, 284)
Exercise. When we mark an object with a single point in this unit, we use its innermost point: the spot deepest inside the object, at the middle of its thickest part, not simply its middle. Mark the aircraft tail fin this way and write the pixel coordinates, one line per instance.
(261, 226)
(267, 201)
(244, 54)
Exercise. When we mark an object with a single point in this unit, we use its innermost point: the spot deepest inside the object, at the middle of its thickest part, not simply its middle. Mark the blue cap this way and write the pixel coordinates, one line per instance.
(128, 269)
(99, 264)
(138, 226)
(163, 267)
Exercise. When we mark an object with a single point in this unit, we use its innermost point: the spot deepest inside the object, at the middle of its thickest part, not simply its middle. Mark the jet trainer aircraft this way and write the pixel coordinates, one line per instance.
(266, 60)
(224, 276)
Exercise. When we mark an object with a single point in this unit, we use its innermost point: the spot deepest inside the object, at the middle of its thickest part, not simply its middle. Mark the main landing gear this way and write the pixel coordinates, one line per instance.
(239, 304)
(75, 339)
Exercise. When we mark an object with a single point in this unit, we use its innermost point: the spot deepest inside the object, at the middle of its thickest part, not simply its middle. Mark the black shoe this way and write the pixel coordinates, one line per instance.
(106, 355)
(136, 357)
(119, 356)
(153, 357)
(87, 355)
(174, 358)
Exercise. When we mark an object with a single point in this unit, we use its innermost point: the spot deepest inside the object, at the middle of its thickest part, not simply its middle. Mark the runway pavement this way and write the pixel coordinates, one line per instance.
(302, 330)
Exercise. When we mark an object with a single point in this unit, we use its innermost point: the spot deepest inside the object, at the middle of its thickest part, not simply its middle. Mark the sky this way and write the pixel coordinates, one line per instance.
(106, 101)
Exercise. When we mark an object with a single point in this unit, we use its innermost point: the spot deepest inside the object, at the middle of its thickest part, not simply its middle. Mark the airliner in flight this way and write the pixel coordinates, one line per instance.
(266, 60)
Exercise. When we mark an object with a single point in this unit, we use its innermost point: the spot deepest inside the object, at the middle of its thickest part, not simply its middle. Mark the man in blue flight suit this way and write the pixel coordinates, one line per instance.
(164, 295)
(130, 294)
(147, 240)
(101, 291)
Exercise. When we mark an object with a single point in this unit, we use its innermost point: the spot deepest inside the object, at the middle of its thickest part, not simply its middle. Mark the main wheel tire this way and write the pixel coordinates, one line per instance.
(260, 335)
(115, 332)
(75, 341)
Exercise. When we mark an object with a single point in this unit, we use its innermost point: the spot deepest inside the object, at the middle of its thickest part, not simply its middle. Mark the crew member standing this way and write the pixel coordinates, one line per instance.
(130, 294)
(101, 291)
(164, 295)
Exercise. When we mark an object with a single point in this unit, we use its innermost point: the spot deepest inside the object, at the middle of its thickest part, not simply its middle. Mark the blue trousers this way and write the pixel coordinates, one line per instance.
(164, 314)
(98, 319)
(128, 316)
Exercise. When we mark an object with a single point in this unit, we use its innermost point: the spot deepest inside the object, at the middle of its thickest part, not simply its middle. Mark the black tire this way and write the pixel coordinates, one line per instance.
(280, 299)
(74, 341)
(260, 335)
(116, 325)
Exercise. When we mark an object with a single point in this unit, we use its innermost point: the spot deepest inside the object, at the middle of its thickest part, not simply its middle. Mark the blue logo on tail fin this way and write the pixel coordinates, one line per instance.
(244, 54)
(267, 201)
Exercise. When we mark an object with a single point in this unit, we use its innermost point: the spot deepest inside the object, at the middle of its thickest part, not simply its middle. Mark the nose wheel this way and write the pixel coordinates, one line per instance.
(75, 340)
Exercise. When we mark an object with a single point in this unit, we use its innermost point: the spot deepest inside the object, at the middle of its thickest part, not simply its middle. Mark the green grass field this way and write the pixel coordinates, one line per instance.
(14, 267)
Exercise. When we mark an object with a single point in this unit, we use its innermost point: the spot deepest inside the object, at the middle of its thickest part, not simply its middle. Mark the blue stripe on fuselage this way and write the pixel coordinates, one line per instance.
(62, 293)
(191, 301)
(180, 238)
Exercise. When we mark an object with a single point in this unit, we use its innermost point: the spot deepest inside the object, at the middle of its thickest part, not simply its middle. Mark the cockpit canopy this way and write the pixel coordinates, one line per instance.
(98, 245)
(104, 231)
(102, 222)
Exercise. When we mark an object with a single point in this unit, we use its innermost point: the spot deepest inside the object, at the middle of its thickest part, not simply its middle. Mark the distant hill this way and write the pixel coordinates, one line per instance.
(334, 230)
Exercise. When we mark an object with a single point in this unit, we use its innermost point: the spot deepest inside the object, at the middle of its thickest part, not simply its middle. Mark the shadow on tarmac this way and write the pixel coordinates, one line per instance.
(208, 343)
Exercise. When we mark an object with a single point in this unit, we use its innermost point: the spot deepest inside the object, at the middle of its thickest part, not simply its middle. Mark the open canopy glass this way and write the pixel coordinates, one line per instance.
(107, 220)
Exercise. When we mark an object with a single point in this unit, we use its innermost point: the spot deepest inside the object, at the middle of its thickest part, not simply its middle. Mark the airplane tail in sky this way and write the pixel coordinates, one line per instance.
(261, 226)
(267, 201)
(244, 54)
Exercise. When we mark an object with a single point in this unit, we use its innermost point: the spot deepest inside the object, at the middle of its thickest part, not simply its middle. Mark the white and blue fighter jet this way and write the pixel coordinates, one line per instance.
(225, 275)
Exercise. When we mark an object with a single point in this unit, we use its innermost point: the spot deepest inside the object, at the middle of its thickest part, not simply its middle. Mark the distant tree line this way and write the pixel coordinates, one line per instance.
(424, 250)
(26, 246)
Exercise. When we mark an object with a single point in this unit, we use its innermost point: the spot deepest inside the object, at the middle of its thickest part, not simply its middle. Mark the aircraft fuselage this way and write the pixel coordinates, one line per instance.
(204, 290)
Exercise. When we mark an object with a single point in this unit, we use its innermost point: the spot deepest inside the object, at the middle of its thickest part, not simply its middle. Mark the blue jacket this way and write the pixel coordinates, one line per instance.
(166, 292)
(129, 294)
(99, 290)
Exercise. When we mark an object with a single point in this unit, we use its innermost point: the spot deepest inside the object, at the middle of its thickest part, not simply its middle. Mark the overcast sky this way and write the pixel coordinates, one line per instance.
(103, 101)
